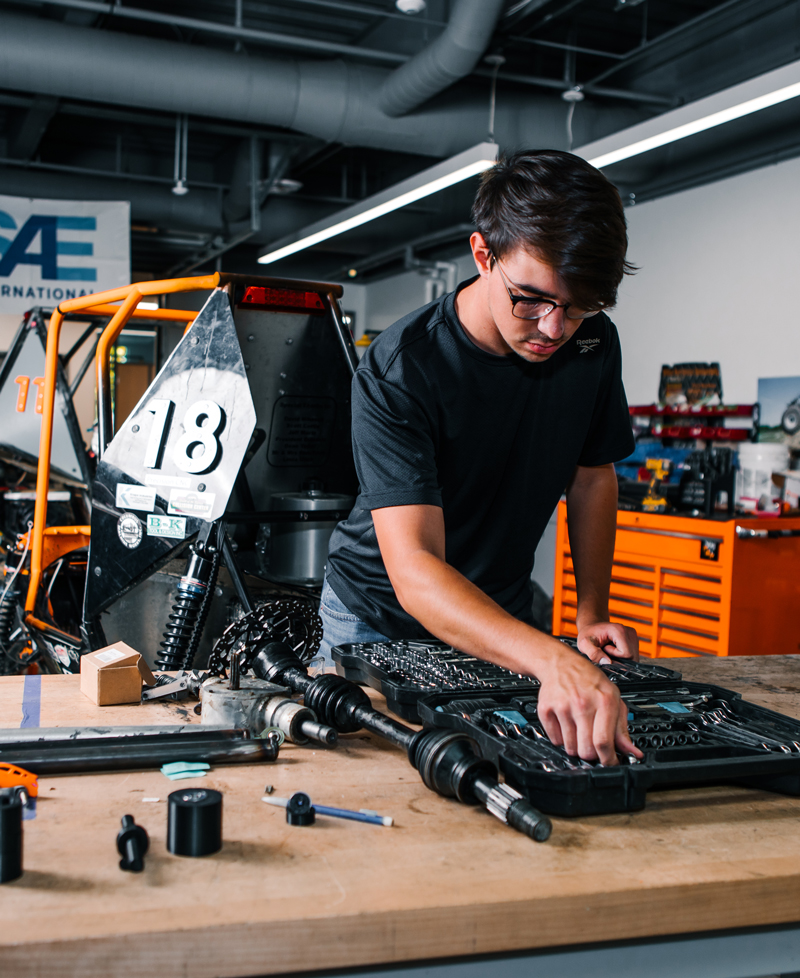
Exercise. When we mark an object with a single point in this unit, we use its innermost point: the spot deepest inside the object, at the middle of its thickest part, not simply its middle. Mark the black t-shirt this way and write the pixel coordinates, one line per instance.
(493, 440)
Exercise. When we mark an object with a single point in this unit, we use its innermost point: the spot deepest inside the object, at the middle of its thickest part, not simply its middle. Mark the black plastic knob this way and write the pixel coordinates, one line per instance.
(132, 844)
(299, 810)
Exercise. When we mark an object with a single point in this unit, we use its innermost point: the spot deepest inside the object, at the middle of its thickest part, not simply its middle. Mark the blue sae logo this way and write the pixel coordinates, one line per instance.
(15, 251)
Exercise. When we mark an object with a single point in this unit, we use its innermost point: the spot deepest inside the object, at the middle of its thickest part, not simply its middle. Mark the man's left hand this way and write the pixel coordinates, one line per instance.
(605, 640)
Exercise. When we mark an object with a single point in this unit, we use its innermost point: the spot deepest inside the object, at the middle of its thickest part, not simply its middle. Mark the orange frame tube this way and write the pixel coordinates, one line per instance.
(129, 296)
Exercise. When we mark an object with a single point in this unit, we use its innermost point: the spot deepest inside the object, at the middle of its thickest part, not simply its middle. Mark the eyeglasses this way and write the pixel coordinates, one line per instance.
(535, 307)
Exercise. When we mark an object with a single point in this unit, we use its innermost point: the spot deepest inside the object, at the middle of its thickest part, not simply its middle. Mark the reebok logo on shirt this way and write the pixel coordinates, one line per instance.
(588, 346)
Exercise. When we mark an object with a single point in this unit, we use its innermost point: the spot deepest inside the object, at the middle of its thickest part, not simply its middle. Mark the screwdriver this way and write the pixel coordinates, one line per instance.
(361, 816)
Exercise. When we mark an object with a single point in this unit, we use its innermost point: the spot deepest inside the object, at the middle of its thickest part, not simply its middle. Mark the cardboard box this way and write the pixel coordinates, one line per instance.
(114, 675)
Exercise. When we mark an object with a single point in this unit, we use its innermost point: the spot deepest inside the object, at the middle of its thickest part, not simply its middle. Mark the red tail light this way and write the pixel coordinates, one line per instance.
(281, 300)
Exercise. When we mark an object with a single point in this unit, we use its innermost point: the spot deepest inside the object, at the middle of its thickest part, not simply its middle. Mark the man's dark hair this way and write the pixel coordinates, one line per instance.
(561, 208)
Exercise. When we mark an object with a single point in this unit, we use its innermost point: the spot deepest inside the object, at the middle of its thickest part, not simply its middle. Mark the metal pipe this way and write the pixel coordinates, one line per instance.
(374, 12)
(76, 383)
(66, 357)
(560, 85)
(236, 576)
(666, 36)
(342, 333)
(111, 174)
(255, 176)
(332, 100)
(9, 736)
(568, 47)
(45, 448)
(225, 30)
(105, 422)
(132, 753)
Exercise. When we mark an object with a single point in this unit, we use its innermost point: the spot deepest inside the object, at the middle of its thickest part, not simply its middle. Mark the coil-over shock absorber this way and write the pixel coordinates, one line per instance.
(8, 604)
(10, 588)
(190, 609)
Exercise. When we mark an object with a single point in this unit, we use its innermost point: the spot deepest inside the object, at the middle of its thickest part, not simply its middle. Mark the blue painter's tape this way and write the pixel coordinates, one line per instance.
(31, 701)
(31, 715)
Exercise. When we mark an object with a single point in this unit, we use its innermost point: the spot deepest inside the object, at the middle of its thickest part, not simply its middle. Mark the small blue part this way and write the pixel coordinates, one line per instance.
(185, 769)
(673, 707)
(513, 716)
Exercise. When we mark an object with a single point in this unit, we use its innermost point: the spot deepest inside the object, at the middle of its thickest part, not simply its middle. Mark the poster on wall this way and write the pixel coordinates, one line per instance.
(779, 398)
(61, 249)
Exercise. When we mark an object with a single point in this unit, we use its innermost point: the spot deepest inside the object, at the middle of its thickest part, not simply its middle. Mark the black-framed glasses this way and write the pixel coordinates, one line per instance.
(537, 307)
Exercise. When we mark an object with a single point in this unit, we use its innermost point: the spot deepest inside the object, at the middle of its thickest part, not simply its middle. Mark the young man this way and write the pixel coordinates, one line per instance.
(471, 416)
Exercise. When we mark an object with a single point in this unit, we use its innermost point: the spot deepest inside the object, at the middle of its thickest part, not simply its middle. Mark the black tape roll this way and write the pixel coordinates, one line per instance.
(194, 822)
(10, 837)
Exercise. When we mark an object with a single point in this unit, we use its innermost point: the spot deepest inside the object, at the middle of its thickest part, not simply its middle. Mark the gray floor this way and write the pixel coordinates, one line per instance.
(757, 953)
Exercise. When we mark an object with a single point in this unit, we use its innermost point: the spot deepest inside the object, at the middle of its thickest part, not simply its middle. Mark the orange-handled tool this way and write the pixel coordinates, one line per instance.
(11, 776)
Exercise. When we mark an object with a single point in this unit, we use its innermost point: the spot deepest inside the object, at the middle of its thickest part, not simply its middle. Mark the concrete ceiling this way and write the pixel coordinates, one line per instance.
(333, 100)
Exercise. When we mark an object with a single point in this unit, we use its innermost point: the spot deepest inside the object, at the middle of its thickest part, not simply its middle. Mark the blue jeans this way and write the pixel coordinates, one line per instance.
(341, 626)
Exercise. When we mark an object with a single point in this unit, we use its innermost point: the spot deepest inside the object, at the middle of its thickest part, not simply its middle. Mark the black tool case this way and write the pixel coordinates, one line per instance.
(689, 732)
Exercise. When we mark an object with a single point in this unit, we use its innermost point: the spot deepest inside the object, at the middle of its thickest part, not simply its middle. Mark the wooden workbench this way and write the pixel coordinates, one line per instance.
(445, 881)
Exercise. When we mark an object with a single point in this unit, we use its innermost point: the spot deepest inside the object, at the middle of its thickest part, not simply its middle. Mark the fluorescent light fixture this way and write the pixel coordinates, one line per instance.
(457, 168)
(148, 305)
(759, 93)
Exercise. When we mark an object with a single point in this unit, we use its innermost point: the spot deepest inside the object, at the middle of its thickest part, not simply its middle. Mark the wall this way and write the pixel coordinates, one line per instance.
(354, 300)
(390, 298)
(718, 272)
(9, 324)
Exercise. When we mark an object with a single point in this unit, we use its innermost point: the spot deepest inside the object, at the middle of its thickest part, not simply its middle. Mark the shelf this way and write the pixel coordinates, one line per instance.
(702, 431)
(721, 411)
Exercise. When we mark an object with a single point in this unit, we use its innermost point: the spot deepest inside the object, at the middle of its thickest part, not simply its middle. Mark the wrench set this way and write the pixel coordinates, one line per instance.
(688, 732)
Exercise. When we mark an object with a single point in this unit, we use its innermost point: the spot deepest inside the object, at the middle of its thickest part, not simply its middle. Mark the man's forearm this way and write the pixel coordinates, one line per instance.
(577, 705)
(449, 606)
(592, 516)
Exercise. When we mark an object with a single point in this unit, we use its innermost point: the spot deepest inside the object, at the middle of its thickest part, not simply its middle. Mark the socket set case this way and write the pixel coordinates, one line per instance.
(689, 732)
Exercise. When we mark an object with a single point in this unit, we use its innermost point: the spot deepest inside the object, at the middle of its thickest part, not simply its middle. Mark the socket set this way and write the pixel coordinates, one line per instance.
(689, 732)
(402, 671)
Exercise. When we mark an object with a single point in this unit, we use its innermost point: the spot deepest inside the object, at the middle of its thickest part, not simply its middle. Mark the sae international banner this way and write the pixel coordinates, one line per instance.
(60, 249)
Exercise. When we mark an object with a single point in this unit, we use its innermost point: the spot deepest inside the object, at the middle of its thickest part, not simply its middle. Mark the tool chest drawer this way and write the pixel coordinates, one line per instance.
(693, 587)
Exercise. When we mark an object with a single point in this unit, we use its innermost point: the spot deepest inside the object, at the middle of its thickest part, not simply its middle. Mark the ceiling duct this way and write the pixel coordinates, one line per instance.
(152, 204)
(332, 100)
(452, 56)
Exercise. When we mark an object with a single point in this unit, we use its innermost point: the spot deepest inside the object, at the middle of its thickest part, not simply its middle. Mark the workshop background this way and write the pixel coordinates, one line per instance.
(230, 126)
(172, 469)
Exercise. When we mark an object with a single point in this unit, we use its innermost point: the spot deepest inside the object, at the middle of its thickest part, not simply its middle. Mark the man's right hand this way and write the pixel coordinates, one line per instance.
(581, 710)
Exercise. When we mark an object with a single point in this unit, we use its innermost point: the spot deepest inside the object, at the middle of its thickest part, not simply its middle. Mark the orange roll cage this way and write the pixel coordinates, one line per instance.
(102, 303)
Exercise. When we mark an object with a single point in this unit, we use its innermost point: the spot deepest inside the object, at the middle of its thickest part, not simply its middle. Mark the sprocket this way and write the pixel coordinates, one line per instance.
(290, 620)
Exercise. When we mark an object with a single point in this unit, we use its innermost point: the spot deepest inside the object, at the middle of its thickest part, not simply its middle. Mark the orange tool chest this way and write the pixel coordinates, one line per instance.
(694, 586)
